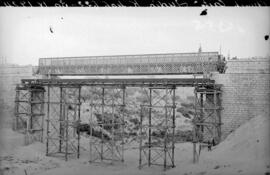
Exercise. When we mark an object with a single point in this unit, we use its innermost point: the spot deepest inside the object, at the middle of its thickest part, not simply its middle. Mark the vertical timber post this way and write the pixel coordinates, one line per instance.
(28, 137)
(166, 129)
(201, 112)
(17, 103)
(149, 129)
(27, 123)
(90, 128)
(194, 127)
(219, 116)
(173, 136)
(79, 120)
(43, 115)
(140, 148)
(112, 127)
(123, 120)
(65, 119)
(102, 123)
(61, 120)
(216, 126)
(48, 120)
(31, 111)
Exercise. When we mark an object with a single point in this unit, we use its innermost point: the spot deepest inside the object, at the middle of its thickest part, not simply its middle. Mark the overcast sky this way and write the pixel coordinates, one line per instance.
(25, 33)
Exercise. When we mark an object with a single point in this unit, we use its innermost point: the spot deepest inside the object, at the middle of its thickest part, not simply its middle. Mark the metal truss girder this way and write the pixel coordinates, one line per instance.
(176, 63)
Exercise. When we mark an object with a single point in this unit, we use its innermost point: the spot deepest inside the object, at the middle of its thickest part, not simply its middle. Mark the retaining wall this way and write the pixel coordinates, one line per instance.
(245, 92)
(10, 76)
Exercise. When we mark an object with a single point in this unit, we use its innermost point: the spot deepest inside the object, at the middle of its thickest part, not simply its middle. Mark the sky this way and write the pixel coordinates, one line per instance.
(30, 33)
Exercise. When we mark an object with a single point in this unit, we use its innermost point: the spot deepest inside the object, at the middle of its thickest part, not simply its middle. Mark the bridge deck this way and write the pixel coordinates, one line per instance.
(188, 82)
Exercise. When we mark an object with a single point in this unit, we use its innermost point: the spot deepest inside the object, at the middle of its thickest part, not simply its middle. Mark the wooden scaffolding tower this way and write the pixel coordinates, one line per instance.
(29, 112)
(207, 119)
(107, 124)
(157, 127)
(63, 116)
(107, 99)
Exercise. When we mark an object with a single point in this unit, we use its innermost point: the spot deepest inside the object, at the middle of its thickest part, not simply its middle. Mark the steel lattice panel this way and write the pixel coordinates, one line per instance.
(178, 63)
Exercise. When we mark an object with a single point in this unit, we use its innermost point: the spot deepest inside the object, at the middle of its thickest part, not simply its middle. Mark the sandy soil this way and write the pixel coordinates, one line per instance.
(246, 151)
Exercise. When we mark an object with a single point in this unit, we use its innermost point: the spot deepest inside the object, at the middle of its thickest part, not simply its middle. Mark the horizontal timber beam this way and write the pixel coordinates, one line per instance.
(189, 82)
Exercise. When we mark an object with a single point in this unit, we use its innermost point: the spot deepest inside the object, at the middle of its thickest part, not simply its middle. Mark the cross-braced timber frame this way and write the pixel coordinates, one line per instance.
(107, 121)
(107, 101)
(63, 115)
(157, 127)
(29, 112)
(207, 119)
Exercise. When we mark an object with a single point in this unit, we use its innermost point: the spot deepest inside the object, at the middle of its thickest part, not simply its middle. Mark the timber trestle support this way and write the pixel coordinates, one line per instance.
(50, 111)
(107, 120)
(63, 116)
(207, 118)
(29, 112)
(157, 127)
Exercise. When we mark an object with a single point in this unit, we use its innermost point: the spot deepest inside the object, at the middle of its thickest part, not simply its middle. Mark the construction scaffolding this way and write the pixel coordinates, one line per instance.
(107, 120)
(29, 112)
(207, 119)
(157, 127)
(63, 117)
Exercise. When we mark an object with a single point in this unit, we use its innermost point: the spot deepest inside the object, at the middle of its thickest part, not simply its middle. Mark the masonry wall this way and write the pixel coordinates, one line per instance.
(10, 76)
(246, 92)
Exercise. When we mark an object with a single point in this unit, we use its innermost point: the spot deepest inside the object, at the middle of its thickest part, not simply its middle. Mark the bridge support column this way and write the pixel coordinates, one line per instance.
(29, 112)
(107, 124)
(207, 119)
(157, 127)
(63, 116)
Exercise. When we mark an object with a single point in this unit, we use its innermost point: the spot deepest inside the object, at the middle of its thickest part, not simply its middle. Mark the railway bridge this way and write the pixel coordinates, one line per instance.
(51, 106)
